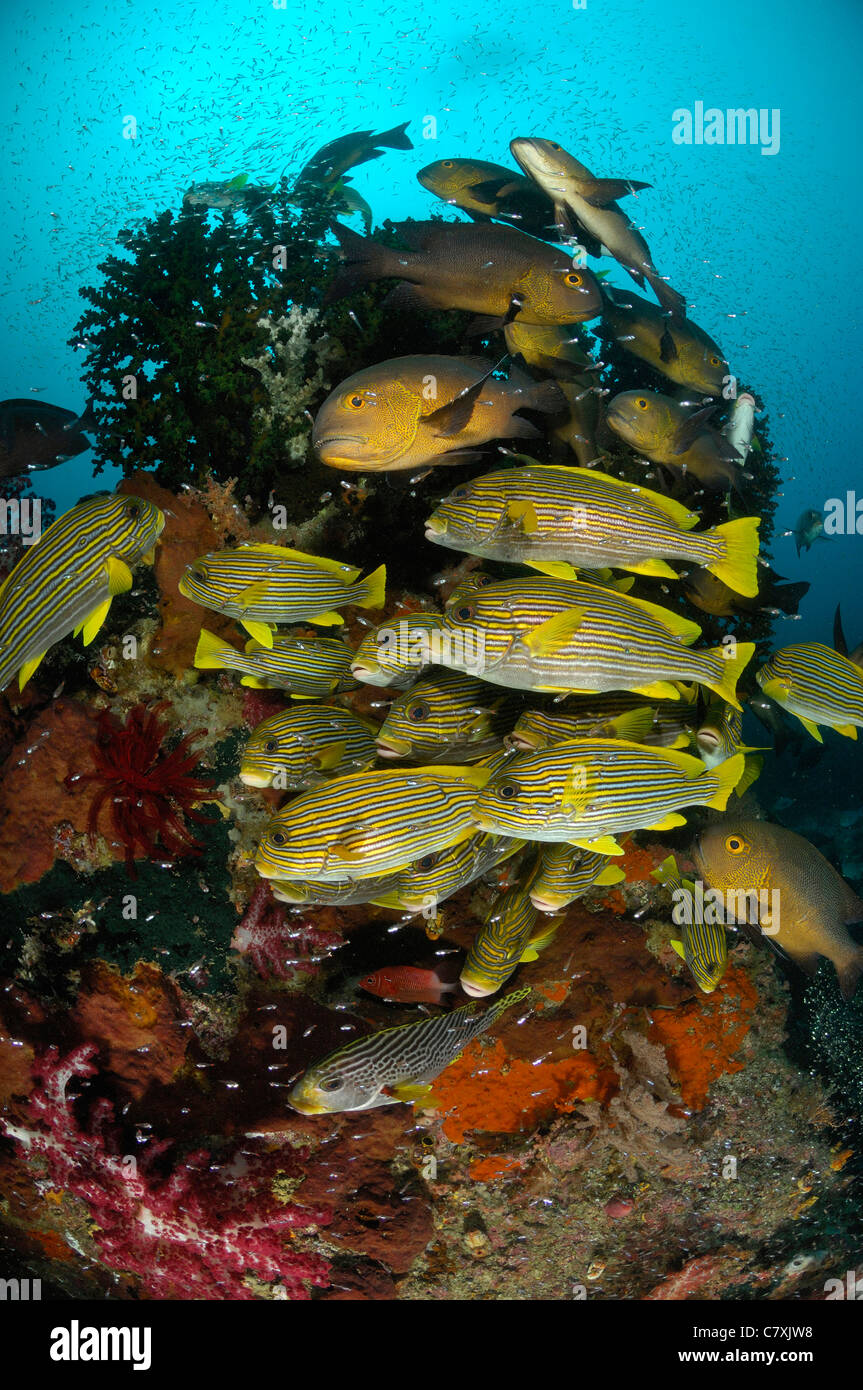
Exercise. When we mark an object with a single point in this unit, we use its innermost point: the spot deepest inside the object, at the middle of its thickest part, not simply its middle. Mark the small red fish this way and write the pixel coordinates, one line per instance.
(408, 984)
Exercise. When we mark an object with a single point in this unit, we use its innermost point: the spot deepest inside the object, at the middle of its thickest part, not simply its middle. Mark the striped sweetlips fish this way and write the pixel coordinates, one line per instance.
(305, 667)
(66, 581)
(303, 747)
(346, 892)
(367, 823)
(263, 585)
(393, 1064)
(818, 685)
(435, 877)
(550, 634)
(588, 791)
(398, 650)
(447, 715)
(703, 945)
(564, 874)
(553, 518)
(663, 723)
(508, 937)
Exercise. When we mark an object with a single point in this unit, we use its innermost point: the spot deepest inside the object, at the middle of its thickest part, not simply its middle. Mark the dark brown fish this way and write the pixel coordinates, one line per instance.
(494, 271)
(34, 435)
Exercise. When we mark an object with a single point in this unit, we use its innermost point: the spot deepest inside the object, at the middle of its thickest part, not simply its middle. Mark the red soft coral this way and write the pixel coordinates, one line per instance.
(278, 943)
(150, 789)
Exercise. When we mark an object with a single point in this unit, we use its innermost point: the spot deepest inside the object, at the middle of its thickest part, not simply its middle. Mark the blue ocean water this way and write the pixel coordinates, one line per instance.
(763, 244)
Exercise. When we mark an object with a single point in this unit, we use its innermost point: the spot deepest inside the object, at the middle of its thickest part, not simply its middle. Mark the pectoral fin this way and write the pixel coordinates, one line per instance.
(524, 514)
(119, 576)
(409, 1091)
(94, 622)
(261, 632)
(604, 845)
(555, 632)
(331, 757)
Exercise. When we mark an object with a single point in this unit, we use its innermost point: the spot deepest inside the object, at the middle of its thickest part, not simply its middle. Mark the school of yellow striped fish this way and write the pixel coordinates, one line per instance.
(537, 720)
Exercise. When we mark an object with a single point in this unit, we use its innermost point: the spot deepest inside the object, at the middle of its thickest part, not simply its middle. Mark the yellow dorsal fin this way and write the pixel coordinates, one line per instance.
(675, 623)
(282, 552)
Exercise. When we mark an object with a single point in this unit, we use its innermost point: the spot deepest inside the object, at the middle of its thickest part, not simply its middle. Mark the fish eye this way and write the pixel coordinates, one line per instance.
(277, 838)
(332, 1083)
(447, 163)
(355, 402)
(459, 492)
(735, 845)
(198, 572)
(642, 402)
(508, 791)
(271, 745)
(573, 278)
(418, 712)
(464, 613)
(134, 510)
(427, 862)
(715, 361)
(553, 145)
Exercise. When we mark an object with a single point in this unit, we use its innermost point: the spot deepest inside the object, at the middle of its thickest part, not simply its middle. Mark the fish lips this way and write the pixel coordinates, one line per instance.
(330, 448)
(393, 747)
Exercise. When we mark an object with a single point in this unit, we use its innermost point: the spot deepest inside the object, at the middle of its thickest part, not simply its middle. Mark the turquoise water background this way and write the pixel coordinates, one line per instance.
(765, 247)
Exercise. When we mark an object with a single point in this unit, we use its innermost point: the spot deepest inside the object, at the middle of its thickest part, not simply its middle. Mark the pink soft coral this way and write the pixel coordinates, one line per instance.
(276, 942)
(194, 1230)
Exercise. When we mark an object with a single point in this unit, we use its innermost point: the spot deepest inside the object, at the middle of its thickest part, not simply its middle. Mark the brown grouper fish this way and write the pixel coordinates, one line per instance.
(805, 905)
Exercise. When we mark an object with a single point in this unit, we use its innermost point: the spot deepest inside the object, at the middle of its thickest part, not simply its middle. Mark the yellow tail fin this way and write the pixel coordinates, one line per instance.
(211, 651)
(728, 774)
(739, 567)
(373, 589)
(732, 668)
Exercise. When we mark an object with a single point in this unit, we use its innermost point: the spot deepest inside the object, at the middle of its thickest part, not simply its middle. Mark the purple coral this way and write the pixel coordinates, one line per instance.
(151, 789)
(193, 1232)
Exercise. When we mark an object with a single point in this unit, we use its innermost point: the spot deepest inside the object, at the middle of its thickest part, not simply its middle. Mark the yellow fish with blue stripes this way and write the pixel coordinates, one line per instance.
(664, 723)
(554, 635)
(65, 583)
(720, 736)
(703, 945)
(449, 716)
(564, 874)
(553, 519)
(367, 823)
(432, 879)
(816, 684)
(263, 585)
(398, 650)
(393, 1064)
(307, 668)
(508, 937)
(591, 790)
(303, 747)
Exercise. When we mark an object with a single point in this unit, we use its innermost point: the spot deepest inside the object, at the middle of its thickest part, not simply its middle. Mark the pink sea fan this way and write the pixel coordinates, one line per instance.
(194, 1229)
